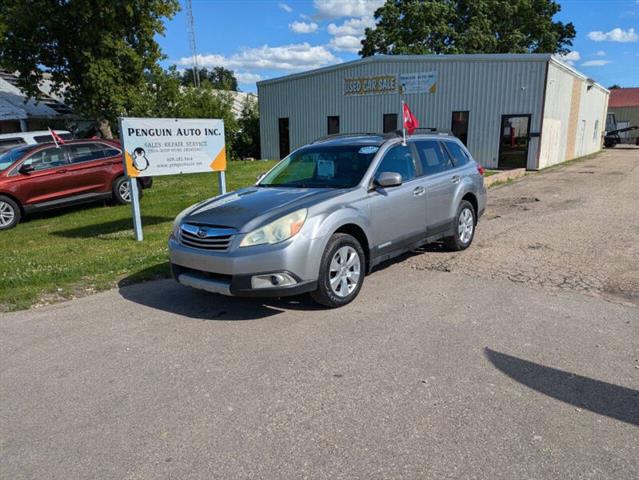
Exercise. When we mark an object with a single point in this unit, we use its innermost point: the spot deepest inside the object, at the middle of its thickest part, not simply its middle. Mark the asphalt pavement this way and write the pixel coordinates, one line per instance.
(427, 375)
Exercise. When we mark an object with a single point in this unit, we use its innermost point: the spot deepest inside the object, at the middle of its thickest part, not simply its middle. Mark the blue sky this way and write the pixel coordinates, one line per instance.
(261, 39)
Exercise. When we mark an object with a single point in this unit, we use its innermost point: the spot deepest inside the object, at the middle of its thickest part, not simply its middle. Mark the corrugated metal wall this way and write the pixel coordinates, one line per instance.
(574, 117)
(488, 88)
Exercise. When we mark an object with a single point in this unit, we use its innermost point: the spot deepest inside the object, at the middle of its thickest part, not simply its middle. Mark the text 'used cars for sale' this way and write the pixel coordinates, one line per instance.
(327, 214)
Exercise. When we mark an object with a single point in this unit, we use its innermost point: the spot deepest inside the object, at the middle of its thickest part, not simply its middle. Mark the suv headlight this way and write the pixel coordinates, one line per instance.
(277, 231)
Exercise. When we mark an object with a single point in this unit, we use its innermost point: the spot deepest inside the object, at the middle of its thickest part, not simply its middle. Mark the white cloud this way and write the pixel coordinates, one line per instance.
(346, 8)
(614, 35)
(285, 7)
(571, 57)
(247, 78)
(601, 53)
(299, 56)
(595, 63)
(303, 27)
(346, 43)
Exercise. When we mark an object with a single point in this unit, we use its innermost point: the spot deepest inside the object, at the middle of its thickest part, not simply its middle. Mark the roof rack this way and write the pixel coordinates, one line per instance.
(339, 135)
(439, 131)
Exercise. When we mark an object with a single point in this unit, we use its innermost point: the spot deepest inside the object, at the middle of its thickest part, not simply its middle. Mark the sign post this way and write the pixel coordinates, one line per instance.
(170, 146)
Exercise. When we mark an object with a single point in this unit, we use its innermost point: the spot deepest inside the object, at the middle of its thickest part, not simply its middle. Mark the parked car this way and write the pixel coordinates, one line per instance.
(13, 140)
(44, 176)
(327, 214)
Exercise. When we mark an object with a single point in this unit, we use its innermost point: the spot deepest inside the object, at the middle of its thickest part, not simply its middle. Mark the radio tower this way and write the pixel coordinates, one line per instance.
(191, 32)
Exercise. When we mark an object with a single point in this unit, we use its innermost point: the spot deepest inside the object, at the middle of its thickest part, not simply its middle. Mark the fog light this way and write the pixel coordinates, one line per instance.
(272, 280)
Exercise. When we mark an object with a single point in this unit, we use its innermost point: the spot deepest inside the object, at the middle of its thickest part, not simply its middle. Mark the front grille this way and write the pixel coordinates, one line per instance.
(206, 238)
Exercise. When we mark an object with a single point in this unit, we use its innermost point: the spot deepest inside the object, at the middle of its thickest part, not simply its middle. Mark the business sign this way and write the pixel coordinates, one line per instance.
(376, 85)
(422, 82)
(170, 146)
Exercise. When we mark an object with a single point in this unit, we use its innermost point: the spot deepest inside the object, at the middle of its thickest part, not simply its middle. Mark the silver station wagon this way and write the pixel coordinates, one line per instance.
(327, 214)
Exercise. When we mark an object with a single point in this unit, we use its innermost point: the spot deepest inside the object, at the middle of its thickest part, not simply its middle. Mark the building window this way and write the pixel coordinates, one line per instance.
(333, 125)
(459, 126)
(285, 142)
(596, 132)
(390, 122)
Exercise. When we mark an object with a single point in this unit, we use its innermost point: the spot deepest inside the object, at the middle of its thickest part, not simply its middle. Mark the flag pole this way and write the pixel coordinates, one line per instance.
(401, 98)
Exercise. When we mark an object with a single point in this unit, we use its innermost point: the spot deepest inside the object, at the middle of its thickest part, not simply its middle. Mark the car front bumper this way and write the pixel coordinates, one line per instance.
(231, 272)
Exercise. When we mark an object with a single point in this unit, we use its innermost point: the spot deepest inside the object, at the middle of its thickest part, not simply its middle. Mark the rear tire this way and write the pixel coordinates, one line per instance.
(465, 223)
(122, 191)
(10, 213)
(341, 273)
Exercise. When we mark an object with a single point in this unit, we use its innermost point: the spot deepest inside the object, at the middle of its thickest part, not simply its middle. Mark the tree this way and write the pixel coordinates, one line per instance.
(467, 26)
(220, 78)
(99, 54)
(246, 143)
(614, 87)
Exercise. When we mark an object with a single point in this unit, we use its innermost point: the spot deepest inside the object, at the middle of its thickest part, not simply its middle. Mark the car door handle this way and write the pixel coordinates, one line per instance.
(64, 170)
(419, 191)
(456, 179)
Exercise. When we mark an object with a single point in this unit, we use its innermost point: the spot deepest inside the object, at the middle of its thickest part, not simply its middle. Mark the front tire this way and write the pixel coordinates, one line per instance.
(122, 191)
(9, 213)
(341, 272)
(465, 222)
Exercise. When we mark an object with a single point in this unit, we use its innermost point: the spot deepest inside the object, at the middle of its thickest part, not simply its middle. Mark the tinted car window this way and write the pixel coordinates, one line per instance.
(432, 157)
(47, 158)
(398, 160)
(83, 152)
(9, 143)
(460, 157)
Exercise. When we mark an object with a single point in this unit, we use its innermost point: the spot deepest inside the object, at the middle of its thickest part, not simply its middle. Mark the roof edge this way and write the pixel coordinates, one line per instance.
(475, 57)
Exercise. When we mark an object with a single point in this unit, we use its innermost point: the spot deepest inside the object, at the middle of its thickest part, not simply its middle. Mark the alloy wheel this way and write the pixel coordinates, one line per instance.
(7, 214)
(344, 271)
(125, 191)
(466, 225)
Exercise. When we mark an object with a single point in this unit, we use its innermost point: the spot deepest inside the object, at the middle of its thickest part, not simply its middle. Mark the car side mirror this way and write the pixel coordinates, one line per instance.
(26, 169)
(389, 179)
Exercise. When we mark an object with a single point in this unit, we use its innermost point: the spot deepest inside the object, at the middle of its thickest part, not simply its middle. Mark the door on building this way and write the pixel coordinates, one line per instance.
(459, 126)
(285, 142)
(513, 145)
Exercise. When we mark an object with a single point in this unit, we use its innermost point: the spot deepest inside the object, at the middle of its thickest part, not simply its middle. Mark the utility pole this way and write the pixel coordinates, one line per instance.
(191, 32)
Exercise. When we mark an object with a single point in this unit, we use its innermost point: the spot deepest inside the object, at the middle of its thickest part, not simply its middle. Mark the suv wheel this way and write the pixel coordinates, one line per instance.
(341, 272)
(122, 191)
(9, 213)
(464, 228)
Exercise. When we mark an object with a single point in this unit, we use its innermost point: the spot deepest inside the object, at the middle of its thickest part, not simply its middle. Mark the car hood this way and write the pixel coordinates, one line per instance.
(250, 208)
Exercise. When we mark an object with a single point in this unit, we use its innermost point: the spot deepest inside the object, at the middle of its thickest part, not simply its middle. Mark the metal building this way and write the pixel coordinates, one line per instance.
(511, 110)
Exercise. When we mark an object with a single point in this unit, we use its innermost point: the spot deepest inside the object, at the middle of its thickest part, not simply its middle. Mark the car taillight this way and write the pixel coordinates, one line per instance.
(480, 169)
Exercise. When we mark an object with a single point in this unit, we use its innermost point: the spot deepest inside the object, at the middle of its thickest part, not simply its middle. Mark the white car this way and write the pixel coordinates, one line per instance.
(17, 139)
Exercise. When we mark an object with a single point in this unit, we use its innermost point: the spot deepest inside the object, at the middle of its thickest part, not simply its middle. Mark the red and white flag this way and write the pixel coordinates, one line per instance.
(57, 139)
(410, 121)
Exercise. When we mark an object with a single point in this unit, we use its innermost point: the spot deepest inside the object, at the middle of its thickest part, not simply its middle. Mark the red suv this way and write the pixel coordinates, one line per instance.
(43, 176)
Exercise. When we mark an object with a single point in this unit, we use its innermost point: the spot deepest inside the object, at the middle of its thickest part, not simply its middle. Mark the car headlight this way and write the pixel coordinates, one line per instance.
(277, 231)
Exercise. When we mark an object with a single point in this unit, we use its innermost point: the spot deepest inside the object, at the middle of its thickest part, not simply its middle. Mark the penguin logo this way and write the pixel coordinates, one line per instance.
(140, 162)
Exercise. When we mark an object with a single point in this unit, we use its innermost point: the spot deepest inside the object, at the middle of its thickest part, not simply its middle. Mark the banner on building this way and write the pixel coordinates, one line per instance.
(170, 146)
(374, 85)
(421, 82)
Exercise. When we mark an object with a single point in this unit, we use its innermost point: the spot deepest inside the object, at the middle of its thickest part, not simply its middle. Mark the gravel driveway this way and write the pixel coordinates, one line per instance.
(573, 227)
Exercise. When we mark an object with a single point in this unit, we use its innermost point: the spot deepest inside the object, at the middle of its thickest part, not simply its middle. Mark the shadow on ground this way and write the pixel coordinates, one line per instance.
(600, 397)
(169, 296)
(109, 228)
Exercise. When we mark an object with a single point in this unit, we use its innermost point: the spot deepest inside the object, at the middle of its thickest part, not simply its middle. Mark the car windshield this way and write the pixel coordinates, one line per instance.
(322, 167)
(10, 156)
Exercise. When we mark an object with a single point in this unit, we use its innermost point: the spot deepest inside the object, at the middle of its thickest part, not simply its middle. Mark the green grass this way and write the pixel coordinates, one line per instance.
(489, 173)
(72, 252)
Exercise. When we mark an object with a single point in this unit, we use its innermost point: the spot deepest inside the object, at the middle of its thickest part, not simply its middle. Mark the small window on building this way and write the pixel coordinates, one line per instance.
(459, 126)
(333, 125)
(284, 139)
(390, 122)
(596, 131)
